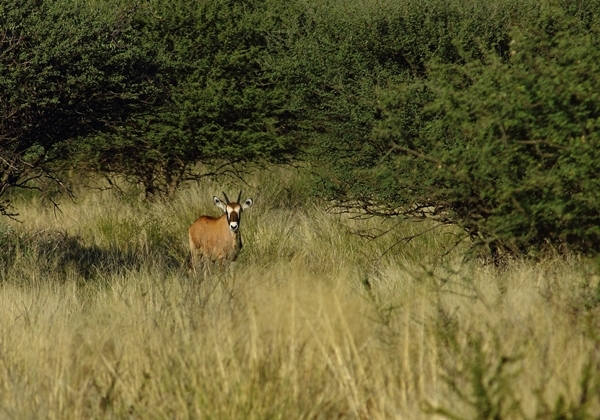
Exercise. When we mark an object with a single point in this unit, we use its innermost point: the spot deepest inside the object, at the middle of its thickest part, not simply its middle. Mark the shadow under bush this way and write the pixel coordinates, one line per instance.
(56, 254)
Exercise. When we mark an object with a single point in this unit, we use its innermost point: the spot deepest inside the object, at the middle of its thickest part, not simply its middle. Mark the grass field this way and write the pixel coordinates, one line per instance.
(101, 318)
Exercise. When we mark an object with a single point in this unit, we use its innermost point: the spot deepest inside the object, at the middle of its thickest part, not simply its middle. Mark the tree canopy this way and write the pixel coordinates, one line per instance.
(479, 114)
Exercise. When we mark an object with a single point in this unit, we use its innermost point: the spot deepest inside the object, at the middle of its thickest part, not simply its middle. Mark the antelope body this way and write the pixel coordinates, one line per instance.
(217, 239)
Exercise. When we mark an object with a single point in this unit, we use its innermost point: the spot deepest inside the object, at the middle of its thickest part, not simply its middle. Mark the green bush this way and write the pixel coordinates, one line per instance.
(67, 69)
(339, 56)
(221, 108)
(481, 114)
(506, 148)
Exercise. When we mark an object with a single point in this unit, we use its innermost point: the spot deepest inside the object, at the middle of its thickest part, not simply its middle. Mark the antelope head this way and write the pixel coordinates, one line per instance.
(233, 210)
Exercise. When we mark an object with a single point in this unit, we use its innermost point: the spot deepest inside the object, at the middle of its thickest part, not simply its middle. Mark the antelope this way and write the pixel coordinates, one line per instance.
(217, 239)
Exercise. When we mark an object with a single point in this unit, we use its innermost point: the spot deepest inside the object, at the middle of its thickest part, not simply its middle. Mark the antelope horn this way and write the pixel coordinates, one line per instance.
(226, 199)
(239, 196)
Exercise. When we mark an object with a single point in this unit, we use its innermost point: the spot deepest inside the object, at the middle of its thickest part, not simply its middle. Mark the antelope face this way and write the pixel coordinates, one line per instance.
(233, 210)
(233, 216)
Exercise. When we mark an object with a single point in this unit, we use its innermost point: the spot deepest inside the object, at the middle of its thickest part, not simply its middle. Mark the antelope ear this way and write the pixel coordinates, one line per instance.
(247, 204)
(219, 203)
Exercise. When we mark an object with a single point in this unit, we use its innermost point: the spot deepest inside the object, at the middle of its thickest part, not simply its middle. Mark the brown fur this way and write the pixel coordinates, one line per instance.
(215, 239)
(212, 240)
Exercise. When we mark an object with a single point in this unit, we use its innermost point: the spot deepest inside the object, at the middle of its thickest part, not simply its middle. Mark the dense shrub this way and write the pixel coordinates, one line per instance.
(341, 55)
(67, 69)
(221, 107)
(141, 90)
(505, 147)
(482, 114)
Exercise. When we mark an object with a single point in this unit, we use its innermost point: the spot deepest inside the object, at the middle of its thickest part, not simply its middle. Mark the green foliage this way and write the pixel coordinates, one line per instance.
(221, 107)
(502, 143)
(482, 114)
(506, 149)
(488, 393)
(339, 61)
(67, 69)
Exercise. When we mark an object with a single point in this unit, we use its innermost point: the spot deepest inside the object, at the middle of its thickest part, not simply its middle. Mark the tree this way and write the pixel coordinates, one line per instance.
(68, 69)
(221, 108)
(506, 147)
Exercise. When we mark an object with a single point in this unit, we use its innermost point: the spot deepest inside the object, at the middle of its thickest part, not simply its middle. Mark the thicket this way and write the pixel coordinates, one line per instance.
(67, 70)
(221, 109)
(144, 90)
(505, 147)
(482, 114)
(476, 114)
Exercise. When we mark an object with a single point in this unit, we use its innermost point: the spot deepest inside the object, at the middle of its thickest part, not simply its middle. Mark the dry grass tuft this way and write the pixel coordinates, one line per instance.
(101, 319)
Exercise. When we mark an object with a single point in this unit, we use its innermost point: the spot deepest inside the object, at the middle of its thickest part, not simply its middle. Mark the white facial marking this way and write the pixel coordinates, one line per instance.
(233, 215)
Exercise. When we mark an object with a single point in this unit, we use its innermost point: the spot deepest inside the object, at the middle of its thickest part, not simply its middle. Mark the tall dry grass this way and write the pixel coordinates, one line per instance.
(101, 318)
